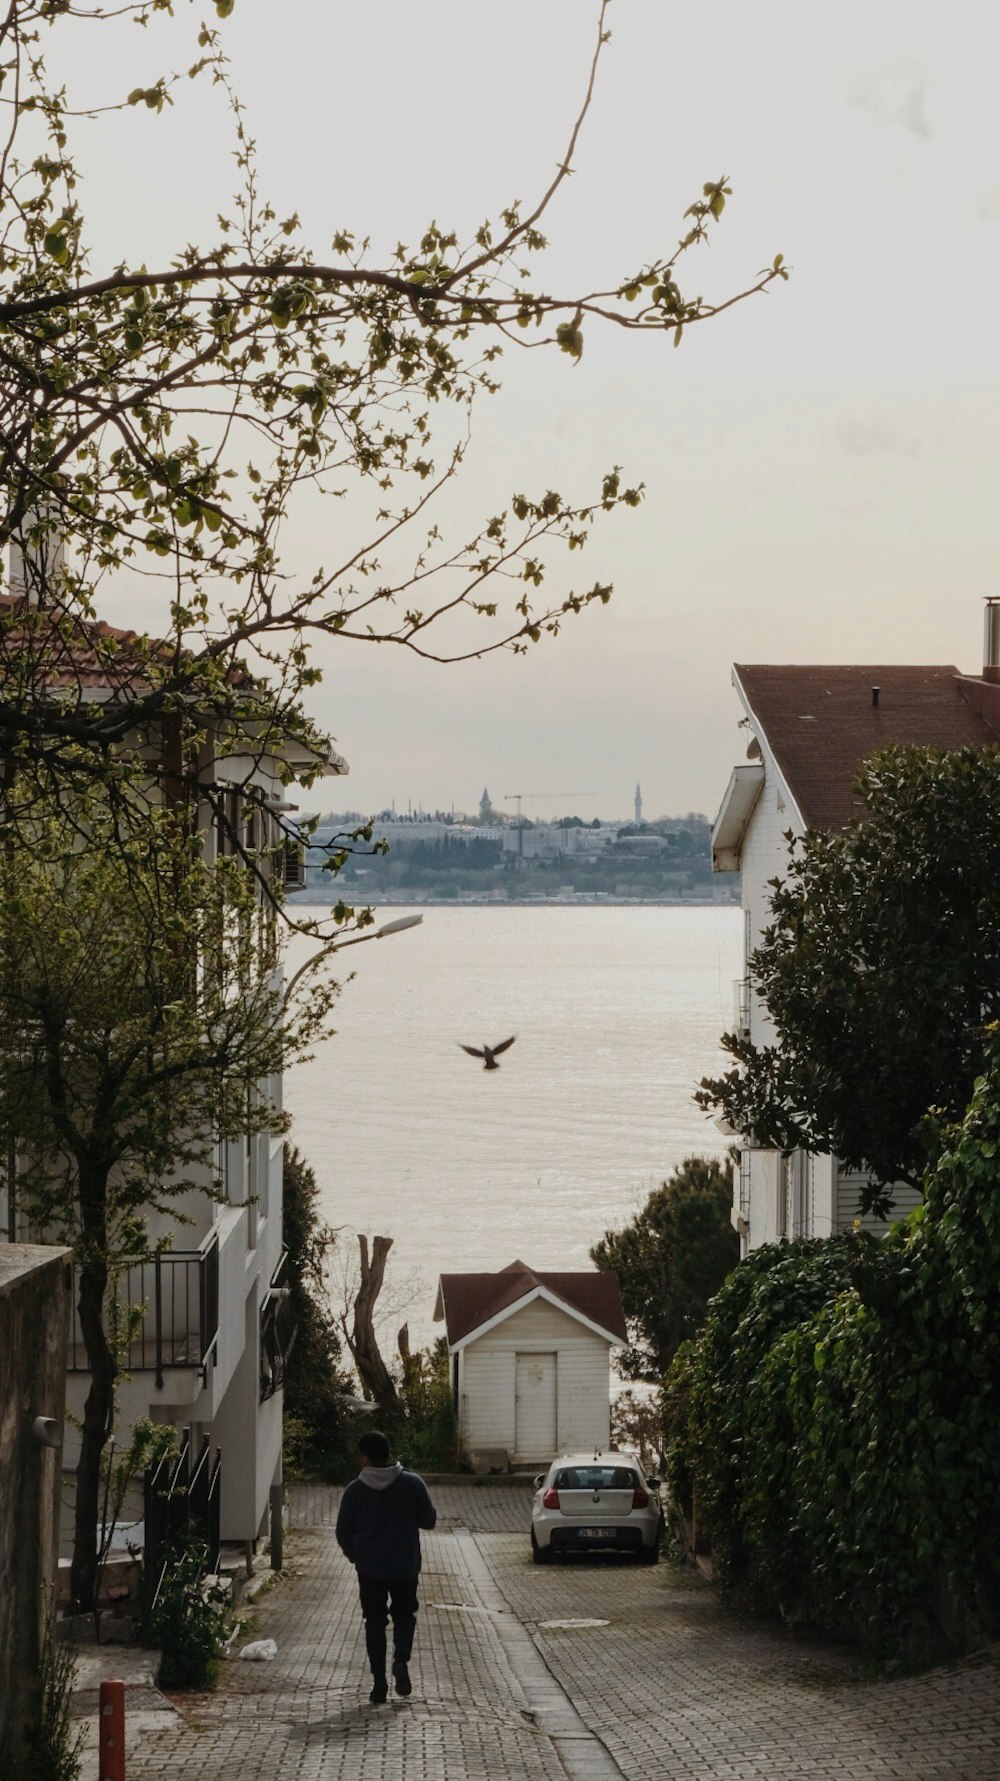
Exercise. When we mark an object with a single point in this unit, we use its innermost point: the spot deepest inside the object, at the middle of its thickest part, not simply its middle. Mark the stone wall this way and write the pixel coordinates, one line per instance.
(35, 1286)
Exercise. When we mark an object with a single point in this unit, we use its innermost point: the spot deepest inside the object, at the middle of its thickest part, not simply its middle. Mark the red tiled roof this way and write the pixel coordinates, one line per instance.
(820, 722)
(467, 1301)
(72, 653)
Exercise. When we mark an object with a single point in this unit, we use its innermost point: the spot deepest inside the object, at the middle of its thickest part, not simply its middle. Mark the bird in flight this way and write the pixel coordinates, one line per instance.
(490, 1052)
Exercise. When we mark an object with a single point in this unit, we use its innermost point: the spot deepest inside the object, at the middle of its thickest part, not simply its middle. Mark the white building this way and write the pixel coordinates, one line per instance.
(531, 1361)
(808, 730)
(210, 1346)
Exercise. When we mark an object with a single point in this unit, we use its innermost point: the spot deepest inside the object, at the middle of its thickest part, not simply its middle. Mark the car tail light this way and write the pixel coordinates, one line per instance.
(551, 1499)
(640, 1498)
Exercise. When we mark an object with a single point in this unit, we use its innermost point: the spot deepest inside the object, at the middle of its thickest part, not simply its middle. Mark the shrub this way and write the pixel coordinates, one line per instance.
(55, 1752)
(190, 1620)
(838, 1421)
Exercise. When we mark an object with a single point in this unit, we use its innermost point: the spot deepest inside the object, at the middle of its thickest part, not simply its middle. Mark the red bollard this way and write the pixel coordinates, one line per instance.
(111, 1729)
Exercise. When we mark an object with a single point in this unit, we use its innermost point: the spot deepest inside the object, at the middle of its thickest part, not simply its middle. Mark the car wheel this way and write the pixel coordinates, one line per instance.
(540, 1555)
(650, 1555)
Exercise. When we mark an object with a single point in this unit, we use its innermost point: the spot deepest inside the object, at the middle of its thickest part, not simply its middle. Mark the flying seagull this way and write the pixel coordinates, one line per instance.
(490, 1052)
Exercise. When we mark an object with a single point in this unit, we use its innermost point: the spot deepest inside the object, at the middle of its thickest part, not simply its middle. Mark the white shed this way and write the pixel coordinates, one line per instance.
(531, 1360)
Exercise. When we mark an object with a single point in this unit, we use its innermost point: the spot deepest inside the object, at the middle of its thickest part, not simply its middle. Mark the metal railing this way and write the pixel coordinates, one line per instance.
(181, 1501)
(278, 1330)
(167, 1308)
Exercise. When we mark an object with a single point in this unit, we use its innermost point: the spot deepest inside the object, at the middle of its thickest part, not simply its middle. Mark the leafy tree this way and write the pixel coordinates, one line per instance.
(312, 372)
(880, 969)
(314, 1382)
(139, 1015)
(670, 1260)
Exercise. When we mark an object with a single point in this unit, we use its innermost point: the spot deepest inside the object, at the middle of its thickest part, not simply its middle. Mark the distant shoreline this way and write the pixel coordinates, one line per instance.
(298, 900)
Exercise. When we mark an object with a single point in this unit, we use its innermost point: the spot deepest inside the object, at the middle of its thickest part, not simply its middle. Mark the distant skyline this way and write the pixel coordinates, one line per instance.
(506, 809)
(821, 464)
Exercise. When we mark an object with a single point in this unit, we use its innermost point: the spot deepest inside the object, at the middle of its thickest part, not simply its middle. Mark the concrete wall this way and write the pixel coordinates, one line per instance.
(34, 1328)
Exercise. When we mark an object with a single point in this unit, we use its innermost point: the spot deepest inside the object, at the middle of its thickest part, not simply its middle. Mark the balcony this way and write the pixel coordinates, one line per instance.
(166, 1311)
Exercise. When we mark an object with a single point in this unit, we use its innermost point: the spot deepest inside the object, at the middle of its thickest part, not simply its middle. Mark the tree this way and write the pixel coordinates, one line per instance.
(164, 420)
(670, 1260)
(314, 1383)
(139, 1015)
(880, 969)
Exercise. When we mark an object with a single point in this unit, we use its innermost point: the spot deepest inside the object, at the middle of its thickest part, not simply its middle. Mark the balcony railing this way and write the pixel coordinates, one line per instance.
(277, 1332)
(167, 1309)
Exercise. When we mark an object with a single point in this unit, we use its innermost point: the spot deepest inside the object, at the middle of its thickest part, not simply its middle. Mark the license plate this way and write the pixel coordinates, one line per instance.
(593, 1533)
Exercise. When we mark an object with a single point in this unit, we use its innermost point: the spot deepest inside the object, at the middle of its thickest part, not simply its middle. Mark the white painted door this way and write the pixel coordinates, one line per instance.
(535, 1422)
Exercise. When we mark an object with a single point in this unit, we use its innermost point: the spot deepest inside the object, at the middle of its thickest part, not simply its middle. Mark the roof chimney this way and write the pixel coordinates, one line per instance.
(991, 639)
(875, 693)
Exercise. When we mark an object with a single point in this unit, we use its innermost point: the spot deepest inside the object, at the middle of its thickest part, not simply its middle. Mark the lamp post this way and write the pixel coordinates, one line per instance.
(397, 926)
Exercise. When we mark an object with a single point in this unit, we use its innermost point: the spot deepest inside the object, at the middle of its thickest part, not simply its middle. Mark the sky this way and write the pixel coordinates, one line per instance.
(821, 463)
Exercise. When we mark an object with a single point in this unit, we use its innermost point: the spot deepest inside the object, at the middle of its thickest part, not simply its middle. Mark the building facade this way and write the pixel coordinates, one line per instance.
(807, 731)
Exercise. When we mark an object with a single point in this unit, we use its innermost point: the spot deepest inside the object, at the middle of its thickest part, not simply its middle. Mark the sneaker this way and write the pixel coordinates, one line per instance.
(401, 1677)
(380, 1693)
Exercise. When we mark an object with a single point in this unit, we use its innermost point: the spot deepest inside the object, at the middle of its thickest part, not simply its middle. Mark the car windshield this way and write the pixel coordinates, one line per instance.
(596, 1478)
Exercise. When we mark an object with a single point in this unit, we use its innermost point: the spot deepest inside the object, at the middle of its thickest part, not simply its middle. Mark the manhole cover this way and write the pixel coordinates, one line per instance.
(573, 1623)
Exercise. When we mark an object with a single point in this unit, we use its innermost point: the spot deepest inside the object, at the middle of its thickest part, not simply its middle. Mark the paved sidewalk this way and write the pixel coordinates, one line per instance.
(672, 1686)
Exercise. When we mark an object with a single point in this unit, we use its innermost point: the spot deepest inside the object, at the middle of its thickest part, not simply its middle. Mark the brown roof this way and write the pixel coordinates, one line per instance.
(466, 1301)
(66, 652)
(821, 722)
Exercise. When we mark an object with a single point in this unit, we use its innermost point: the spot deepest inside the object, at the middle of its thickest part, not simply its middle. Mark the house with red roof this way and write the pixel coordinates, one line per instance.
(808, 729)
(531, 1361)
(210, 1333)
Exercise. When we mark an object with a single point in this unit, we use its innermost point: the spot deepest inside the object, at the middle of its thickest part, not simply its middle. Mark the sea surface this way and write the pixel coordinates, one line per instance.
(617, 1013)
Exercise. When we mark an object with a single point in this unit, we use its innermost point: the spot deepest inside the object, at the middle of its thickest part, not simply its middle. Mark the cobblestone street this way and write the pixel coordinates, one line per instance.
(673, 1686)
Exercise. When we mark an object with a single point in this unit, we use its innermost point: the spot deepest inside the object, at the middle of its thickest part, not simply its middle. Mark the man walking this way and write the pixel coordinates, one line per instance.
(378, 1529)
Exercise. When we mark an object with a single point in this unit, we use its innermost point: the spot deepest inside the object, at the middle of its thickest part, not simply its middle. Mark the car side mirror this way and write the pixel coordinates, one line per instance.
(654, 1483)
(539, 1480)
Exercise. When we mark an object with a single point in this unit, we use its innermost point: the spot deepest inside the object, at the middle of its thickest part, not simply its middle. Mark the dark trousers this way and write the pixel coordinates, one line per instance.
(381, 1597)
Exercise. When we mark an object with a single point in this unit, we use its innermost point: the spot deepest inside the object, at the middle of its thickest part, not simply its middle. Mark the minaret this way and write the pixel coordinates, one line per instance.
(638, 805)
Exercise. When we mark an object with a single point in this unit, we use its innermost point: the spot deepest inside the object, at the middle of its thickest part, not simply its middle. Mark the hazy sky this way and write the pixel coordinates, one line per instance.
(821, 463)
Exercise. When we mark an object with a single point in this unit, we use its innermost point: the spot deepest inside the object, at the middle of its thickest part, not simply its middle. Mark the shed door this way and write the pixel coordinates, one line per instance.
(535, 1431)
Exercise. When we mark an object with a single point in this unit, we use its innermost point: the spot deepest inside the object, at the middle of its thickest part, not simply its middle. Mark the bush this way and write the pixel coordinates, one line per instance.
(55, 1752)
(428, 1439)
(838, 1421)
(190, 1620)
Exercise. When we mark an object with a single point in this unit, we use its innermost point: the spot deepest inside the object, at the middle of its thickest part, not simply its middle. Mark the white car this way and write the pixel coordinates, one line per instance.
(596, 1502)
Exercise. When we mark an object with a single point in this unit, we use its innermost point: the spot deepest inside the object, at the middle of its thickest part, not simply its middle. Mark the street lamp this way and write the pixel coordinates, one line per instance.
(390, 927)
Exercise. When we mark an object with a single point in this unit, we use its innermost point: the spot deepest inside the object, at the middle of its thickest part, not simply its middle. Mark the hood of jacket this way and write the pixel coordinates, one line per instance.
(379, 1477)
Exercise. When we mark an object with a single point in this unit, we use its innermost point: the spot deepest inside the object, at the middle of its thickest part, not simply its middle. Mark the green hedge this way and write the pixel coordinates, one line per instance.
(838, 1421)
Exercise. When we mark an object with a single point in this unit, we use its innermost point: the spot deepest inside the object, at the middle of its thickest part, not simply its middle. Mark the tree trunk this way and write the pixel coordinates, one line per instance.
(98, 1415)
(375, 1375)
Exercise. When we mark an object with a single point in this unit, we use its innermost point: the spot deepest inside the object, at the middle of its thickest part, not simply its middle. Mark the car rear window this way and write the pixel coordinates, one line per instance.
(596, 1478)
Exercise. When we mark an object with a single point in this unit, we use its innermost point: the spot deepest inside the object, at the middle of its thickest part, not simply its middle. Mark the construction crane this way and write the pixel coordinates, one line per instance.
(531, 798)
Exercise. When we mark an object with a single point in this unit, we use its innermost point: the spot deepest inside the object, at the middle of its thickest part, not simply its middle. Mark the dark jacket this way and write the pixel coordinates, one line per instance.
(381, 1513)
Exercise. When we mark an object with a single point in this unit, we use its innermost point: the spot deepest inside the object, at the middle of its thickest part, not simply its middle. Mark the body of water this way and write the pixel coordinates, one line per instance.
(617, 1012)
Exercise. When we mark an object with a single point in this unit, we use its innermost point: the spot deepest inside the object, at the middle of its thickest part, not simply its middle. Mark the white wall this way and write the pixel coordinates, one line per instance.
(487, 1368)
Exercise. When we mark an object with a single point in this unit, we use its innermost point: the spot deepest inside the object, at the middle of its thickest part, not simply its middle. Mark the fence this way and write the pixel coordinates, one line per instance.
(181, 1501)
(167, 1313)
